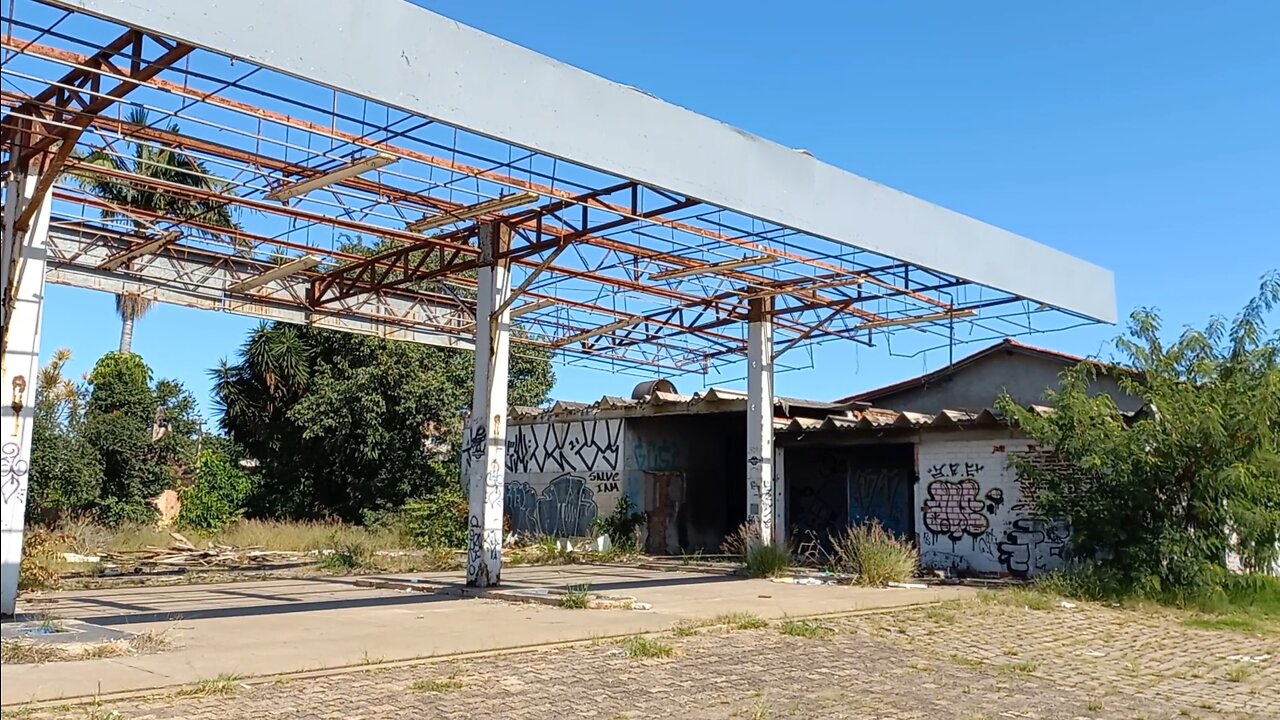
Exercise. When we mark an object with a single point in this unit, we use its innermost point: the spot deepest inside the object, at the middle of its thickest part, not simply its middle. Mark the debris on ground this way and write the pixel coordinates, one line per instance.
(182, 553)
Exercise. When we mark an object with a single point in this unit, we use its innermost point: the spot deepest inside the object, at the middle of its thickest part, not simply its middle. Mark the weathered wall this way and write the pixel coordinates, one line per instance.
(561, 474)
(977, 386)
(689, 473)
(976, 516)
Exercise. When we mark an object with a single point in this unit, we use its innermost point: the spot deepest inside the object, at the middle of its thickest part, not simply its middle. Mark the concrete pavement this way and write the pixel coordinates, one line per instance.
(284, 626)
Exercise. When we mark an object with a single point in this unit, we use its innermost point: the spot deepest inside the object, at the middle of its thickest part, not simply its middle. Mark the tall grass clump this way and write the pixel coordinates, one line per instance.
(760, 559)
(874, 555)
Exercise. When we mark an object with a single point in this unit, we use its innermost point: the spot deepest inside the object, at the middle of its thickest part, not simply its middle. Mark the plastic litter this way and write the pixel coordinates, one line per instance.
(1249, 658)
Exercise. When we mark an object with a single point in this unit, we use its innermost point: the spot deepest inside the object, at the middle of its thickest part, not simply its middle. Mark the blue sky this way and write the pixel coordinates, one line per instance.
(1141, 136)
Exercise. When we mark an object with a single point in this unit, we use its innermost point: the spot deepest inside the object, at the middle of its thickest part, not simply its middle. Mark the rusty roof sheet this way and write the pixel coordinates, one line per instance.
(791, 415)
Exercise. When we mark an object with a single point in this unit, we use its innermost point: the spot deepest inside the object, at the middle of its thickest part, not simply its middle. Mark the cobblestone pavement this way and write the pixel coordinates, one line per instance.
(960, 661)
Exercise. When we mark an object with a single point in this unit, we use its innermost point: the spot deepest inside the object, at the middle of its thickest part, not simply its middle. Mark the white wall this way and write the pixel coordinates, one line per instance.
(975, 516)
(561, 475)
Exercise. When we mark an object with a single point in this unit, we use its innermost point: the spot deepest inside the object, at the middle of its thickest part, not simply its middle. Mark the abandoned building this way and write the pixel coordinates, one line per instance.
(926, 457)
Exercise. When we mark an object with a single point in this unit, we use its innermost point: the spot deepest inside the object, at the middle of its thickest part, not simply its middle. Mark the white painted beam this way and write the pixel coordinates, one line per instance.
(297, 265)
(506, 202)
(149, 247)
(191, 278)
(403, 56)
(336, 175)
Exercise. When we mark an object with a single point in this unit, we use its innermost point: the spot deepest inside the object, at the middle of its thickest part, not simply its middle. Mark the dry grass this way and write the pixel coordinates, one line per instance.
(723, 621)
(31, 652)
(647, 647)
(760, 559)
(87, 538)
(42, 565)
(576, 597)
(436, 685)
(874, 555)
(1240, 673)
(1019, 598)
(740, 621)
(224, 684)
(805, 629)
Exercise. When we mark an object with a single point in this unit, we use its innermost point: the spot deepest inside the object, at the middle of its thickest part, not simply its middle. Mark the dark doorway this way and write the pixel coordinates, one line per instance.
(831, 488)
(665, 498)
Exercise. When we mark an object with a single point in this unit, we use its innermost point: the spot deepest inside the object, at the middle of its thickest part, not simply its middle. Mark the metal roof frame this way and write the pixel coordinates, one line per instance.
(639, 230)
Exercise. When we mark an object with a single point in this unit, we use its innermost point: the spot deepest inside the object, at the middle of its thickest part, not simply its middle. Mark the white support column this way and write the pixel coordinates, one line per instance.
(488, 431)
(760, 498)
(22, 273)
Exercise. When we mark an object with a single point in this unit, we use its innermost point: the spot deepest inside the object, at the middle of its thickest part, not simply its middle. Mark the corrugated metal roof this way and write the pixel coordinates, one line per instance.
(791, 415)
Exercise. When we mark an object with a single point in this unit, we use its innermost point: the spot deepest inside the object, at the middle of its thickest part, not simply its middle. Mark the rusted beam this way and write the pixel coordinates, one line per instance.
(409, 153)
(398, 267)
(76, 99)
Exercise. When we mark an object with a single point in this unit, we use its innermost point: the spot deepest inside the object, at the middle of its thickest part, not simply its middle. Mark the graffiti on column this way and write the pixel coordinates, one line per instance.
(474, 448)
(475, 548)
(13, 473)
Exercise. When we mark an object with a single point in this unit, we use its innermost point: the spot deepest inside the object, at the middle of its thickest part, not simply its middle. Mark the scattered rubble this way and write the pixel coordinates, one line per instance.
(182, 553)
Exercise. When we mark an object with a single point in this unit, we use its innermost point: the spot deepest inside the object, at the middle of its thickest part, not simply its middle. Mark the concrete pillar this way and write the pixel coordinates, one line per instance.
(488, 432)
(22, 273)
(760, 497)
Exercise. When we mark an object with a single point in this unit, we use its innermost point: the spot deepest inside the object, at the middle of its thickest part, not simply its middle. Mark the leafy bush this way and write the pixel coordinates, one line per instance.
(1224, 593)
(874, 554)
(343, 425)
(66, 473)
(438, 520)
(218, 496)
(1160, 500)
(760, 559)
(622, 525)
(347, 555)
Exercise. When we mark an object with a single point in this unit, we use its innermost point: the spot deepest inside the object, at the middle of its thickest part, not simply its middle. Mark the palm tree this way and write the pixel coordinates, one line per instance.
(152, 161)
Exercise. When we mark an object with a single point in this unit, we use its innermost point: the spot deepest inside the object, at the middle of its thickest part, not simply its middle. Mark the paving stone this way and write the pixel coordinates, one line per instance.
(977, 661)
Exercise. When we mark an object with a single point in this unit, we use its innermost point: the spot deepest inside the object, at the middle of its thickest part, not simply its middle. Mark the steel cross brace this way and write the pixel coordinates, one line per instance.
(62, 111)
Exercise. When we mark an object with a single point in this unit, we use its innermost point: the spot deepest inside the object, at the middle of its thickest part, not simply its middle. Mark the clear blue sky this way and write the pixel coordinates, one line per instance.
(1142, 136)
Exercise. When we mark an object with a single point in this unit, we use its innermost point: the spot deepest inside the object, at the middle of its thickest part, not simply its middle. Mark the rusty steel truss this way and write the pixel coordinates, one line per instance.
(373, 213)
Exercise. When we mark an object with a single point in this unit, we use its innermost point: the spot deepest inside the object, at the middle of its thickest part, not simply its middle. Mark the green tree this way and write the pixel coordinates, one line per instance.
(138, 458)
(348, 425)
(66, 472)
(1161, 499)
(218, 495)
(152, 161)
